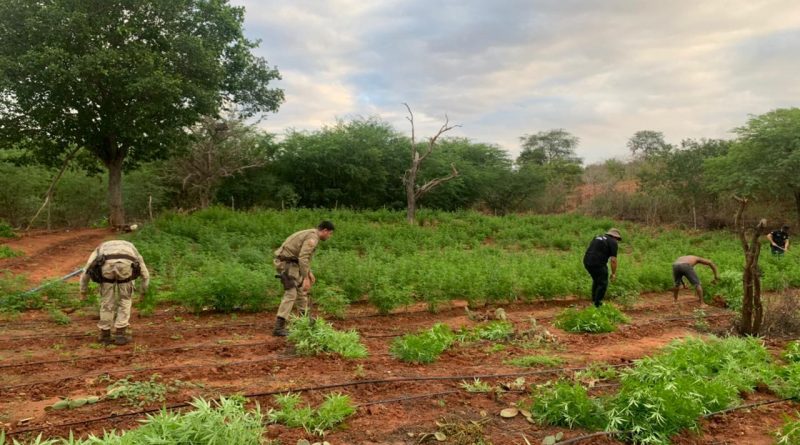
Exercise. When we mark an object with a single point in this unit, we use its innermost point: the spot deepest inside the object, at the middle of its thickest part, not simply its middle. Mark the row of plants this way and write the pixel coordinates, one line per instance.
(670, 391)
(220, 259)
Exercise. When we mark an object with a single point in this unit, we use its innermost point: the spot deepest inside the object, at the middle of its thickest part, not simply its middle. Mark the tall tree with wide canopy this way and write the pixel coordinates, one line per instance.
(764, 160)
(123, 79)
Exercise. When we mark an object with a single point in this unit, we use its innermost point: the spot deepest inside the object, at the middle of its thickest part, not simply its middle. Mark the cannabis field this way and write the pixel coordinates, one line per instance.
(461, 329)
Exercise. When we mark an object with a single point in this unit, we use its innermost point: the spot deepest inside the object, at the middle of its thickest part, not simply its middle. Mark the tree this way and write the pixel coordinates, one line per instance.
(123, 79)
(752, 309)
(352, 164)
(764, 160)
(550, 155)
(220, 149)
(546, 147)
(648, 144)
(413, 191)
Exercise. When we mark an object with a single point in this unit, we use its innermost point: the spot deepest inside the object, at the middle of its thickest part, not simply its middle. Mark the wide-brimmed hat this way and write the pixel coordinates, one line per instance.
(614, 233)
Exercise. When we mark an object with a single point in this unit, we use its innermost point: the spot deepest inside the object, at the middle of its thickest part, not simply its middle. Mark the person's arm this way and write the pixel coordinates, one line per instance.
(84, 276)
(145, 273)
(613, 261)
(304, 259)
(769, 237)
(786, 246)
(710, 264)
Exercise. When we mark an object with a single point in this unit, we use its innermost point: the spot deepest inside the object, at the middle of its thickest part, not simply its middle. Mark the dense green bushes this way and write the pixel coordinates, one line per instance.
(222, 259)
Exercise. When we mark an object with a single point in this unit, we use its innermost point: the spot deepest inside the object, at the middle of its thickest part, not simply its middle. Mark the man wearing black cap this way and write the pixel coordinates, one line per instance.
(602, 249)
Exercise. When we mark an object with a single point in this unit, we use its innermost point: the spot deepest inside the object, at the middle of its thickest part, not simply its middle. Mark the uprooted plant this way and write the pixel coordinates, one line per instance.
(316, 336)
(333, 411)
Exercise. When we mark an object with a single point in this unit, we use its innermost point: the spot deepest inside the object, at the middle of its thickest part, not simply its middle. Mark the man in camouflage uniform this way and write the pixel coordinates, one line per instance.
(293, 264)
(118, 272)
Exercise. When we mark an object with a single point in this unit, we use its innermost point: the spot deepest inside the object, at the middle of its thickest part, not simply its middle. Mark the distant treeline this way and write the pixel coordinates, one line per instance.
(359, 164)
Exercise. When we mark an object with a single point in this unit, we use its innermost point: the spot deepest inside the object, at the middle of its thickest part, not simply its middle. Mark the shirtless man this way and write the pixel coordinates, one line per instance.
(684, 267)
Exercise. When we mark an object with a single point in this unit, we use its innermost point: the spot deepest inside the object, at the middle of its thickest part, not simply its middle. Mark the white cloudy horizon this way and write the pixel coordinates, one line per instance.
(600, 70)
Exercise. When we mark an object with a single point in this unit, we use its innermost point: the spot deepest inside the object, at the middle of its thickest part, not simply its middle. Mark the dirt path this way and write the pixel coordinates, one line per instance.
(53, 254)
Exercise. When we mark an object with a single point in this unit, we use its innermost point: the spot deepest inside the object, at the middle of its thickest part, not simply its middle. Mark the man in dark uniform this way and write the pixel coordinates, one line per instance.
(602, 249)
(779, 240)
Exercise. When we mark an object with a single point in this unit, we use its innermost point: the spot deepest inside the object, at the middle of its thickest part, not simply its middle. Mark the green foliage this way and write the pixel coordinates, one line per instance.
(792, 352)
(164, 89)
(669, 391)
(529, 361)
(424, 347)
(7, 252)
(330, 299)
(566, 404)
(58, 316)
(333, 411)
(317, 336)
(492, 331)
(592, 319)
(790, 431)
(142, 393)
(6, 231)
(476, 386)
(223, 287)
(209, 423)
(729, 287)
(218, 258)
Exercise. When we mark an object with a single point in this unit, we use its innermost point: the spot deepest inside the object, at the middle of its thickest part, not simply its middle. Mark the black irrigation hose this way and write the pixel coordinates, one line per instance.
(278, 357)
(131, 353)
(312, 388)
(403, 399)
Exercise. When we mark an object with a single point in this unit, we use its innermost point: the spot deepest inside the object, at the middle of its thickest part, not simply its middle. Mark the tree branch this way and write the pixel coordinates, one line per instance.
(435, 182)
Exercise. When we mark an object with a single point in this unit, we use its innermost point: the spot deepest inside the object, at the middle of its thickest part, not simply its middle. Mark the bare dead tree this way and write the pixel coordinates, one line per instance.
(222, 149)
(413, 191)
(752, 310)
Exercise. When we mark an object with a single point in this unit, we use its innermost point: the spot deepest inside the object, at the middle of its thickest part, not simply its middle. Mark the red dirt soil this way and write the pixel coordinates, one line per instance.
(236, 354)
(53, 254)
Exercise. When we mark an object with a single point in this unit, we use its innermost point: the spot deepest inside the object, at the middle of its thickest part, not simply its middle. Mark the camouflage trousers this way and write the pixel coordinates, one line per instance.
(115, 305)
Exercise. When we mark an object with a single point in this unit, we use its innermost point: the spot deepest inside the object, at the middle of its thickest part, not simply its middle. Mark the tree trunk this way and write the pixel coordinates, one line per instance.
(116, 210)
(752, 310)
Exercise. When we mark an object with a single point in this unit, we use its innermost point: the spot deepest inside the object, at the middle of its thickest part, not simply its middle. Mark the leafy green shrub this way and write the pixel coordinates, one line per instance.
(333, 411)
(386, 297)
(492, 331)
(529, 361)
(330, 299)
(317, 336)
(729, 287)
(6, 231)
(792, 352)
(669, 391)
(209, 423)
(7, 252)
(592, 319)
(424, 347)
(566, 404)
(141, 393)
(223, 287)
(790, 432)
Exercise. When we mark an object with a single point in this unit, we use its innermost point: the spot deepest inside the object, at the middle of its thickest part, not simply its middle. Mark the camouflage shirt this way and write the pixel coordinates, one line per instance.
(300, 246)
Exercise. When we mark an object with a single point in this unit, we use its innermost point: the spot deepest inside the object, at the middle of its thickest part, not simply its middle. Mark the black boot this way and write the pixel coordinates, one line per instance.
(120, 338)
(105, 337)
(280, 327)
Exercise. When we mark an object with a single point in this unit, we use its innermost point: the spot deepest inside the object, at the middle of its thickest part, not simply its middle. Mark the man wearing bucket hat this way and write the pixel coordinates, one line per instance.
(602, 250)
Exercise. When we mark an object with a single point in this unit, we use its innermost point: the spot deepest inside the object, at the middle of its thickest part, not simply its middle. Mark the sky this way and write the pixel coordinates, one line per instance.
(502, 69)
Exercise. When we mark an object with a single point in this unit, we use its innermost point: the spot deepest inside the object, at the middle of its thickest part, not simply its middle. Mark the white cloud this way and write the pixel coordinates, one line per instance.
(601, 70)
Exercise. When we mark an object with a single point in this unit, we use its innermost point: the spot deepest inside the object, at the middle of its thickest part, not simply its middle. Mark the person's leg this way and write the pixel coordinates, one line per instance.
(602, 285)
(123, 313)
(677, 279)
(106, 312)
(699, 291)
